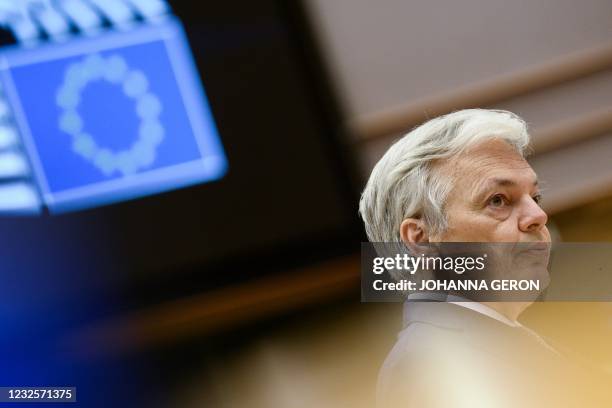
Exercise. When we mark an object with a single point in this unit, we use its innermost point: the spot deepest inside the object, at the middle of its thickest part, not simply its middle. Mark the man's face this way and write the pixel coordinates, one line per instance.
(494, 198)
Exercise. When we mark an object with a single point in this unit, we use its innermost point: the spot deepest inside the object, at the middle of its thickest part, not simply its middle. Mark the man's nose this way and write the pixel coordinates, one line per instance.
(532, 217)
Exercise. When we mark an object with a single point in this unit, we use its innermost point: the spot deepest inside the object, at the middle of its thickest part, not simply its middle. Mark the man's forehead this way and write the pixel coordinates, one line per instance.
(486, 166)
(492, 156)
(486, 185)
(496, 176)
(488, 163)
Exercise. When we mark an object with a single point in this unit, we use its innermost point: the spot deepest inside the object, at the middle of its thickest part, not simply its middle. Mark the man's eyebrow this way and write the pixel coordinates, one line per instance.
(498, 182)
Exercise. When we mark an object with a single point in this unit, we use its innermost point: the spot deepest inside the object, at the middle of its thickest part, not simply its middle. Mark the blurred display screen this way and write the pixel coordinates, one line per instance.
(112, 116)
(180, 142)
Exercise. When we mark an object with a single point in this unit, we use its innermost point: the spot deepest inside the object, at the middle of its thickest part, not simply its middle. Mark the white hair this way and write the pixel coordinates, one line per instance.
(404, 182)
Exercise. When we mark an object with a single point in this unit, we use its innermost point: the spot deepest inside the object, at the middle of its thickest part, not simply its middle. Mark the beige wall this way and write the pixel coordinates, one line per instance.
(390, 56)
(386, 52)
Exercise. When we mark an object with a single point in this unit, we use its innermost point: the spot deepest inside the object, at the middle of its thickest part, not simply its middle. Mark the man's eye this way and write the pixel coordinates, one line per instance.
(498, 200)
(537, 198)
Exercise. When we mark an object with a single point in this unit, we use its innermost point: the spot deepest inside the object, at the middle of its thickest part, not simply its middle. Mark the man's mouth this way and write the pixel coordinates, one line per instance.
(534, 248)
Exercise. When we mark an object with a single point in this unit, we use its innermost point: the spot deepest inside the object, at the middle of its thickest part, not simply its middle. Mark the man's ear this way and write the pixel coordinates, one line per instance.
(413, 232)
(415, 236)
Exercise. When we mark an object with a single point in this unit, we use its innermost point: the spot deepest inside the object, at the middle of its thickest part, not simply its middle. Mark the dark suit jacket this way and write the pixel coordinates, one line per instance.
(451, 356)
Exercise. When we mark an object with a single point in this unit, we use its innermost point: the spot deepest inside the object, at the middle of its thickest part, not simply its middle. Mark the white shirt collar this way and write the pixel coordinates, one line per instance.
(460, 301)
(482, 309)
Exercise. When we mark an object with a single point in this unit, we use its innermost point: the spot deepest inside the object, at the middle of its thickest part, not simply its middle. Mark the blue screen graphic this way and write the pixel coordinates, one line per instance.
(113, 117)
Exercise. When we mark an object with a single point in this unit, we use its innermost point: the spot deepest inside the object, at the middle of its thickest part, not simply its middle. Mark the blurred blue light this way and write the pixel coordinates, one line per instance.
(19, 198)
(82, 15)
(116, 11)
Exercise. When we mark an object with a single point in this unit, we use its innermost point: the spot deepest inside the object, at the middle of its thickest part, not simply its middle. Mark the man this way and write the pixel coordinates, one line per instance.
(463, 177)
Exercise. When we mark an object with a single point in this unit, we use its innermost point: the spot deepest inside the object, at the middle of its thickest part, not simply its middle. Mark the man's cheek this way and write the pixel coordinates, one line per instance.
(506, 231)
(546, 232)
